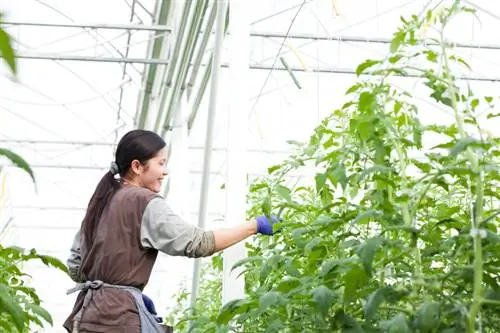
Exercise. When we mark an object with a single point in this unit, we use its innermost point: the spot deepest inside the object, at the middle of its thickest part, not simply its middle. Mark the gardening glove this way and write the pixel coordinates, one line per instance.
(151, 307)
(264, 226)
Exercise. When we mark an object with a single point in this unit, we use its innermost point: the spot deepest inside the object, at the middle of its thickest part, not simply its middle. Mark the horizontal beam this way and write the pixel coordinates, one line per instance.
(57, 142)
(357, 39)
(92, 59)
(325, 70)
(328, 70)
(110, 144)
(137, 27)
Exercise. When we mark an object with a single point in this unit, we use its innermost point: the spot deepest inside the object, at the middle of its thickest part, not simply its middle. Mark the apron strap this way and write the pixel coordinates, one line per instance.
(147, 320)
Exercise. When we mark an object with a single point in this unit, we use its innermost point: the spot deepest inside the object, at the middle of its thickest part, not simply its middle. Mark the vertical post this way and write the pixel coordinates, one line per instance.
(178, 181)
(237, 129)
(205, 182)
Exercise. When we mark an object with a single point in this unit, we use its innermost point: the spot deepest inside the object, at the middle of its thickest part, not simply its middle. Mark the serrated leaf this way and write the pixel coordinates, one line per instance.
(54, 262)
(41, 312)
(10, 306)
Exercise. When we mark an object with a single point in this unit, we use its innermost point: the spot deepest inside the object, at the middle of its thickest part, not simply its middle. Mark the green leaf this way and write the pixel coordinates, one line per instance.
(54, 262)
(231, 308)
(330, 264)
(246, 260)
(284, 192)
(323, 296)
(320, 181)
(288, 283)
(266, 206)
(397, 40)
(365, 65)
(7, 52)
(41, 312)
(365, 217)
(10, 306)
(18, 161)
(272, 169)
(268, 300)
(463, 144)
(373, 302)
(427, 317)
(367, 250)
(398, 324)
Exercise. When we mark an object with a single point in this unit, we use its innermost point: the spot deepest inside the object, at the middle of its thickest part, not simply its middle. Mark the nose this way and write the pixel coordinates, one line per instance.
(165, 172)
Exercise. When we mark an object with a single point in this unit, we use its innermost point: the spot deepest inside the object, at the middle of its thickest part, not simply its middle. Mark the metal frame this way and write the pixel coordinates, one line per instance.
(207, 160)
(138, 27)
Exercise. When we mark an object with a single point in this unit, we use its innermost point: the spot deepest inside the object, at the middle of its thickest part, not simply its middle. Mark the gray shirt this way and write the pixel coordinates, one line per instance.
(163, 230)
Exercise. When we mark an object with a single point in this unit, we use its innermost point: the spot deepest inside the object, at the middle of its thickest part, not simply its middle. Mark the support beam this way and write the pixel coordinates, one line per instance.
(35, 56)
(137, 27)
(237, 135)
(358, 39)
(157, 47)
(214, 94)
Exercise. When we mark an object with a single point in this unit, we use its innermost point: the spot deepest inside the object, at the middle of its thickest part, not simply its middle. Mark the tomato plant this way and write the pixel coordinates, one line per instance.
(398, 229)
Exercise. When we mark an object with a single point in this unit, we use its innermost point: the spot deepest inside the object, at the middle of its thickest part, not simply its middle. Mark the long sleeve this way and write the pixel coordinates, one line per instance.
(75, 260)
(165, 231)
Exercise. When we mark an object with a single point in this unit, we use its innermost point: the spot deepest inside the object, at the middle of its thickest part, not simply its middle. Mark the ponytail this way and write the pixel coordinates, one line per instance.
(138, 145)
(103, 193)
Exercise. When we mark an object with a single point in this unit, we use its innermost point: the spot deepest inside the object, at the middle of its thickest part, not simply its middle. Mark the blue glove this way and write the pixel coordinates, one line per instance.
(151, 307)
(264, 226)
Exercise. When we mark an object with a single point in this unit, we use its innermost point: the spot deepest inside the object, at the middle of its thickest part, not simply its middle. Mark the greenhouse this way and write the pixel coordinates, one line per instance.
(286, 166)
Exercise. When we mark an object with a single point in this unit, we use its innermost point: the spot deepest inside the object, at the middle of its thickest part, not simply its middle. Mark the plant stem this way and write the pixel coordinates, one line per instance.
(407, 218)
(477, 216)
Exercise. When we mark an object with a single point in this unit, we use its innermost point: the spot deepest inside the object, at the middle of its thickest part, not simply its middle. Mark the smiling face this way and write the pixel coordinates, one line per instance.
(150, 174)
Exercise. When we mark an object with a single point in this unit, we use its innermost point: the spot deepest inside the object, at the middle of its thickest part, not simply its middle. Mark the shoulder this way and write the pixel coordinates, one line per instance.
(139, 193)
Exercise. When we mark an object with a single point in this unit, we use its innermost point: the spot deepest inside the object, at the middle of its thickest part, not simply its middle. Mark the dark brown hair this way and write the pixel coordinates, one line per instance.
(138, 145)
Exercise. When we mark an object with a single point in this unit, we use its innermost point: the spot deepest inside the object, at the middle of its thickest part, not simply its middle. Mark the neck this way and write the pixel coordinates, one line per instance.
(126, 181)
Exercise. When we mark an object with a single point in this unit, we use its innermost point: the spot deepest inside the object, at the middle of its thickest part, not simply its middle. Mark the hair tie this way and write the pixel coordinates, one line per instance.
(114, 169)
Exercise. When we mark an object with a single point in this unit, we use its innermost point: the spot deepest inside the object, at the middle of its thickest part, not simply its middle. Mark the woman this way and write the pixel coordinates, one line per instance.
(127, 222)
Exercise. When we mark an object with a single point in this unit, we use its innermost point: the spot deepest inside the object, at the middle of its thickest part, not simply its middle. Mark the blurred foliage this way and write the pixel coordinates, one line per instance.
(20, 306)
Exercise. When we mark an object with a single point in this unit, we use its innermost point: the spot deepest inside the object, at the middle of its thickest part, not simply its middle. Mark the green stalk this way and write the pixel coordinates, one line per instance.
(477, 218)
(407, 218)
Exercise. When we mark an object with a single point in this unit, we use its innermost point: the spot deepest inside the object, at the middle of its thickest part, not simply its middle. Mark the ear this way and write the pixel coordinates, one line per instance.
(136, 167)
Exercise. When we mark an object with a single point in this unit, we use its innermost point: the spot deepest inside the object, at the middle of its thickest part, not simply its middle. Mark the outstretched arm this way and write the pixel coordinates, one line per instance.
(165, 231)
(227, 237)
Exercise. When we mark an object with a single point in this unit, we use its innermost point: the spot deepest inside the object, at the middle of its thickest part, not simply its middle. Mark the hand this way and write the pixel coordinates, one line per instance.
(264, 226)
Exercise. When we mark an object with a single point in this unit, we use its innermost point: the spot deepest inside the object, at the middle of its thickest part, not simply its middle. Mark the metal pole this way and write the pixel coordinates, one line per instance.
(138, 27)
(92, 59)
(358, 39)
(214, 85)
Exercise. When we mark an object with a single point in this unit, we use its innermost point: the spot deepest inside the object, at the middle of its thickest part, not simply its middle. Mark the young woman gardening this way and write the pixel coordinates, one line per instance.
(127, 222)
